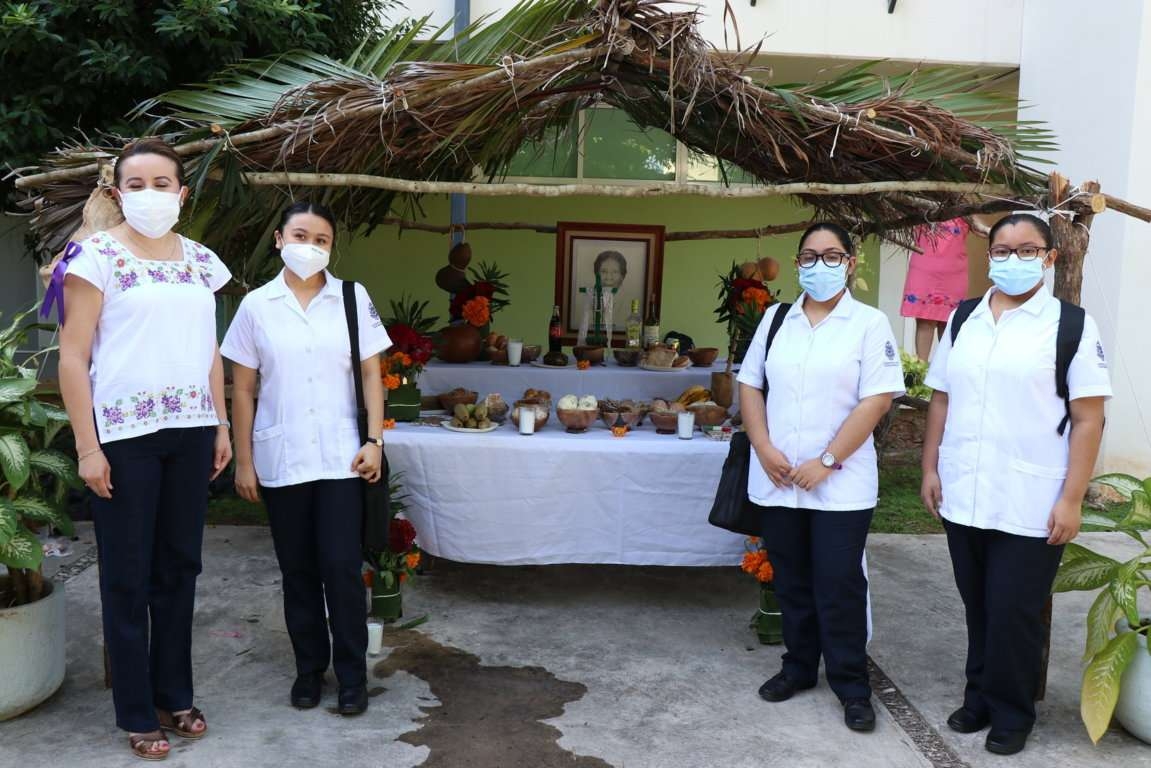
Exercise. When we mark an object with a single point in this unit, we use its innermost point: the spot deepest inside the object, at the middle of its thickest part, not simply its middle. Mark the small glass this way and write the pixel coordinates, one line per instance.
(375, 638)
(527, 420)
(685, 425)
(515, 351)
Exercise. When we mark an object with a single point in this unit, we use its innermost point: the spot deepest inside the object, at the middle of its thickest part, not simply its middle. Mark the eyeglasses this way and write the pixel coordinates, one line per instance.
(807, 259)
(1026, 253)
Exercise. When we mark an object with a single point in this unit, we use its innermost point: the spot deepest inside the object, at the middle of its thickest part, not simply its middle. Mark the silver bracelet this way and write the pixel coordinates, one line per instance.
(92, 452)
(224, 423)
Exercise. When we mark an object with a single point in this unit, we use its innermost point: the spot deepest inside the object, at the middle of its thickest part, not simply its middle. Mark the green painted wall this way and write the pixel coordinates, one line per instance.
(390, 265)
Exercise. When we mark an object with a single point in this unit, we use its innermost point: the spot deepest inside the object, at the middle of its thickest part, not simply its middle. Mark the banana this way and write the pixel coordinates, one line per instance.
(694, 394)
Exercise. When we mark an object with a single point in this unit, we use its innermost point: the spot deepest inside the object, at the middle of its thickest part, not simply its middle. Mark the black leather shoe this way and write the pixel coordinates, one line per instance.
(353, 701)
(307, 689)
(963, 720)
(858, 715)
(780, 688)
(1003, 742)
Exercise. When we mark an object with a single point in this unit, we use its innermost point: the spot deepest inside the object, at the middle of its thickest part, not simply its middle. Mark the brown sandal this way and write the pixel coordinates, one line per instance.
(143, 745)
(181, 724)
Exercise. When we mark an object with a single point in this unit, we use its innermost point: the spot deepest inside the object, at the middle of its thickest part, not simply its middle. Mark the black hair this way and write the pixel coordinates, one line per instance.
(841, 234)
(1023, 218)
(307, 206)
(151, 146)
(617, 256)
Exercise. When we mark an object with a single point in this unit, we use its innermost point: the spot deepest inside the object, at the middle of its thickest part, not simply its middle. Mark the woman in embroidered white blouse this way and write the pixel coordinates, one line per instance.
(143, 383)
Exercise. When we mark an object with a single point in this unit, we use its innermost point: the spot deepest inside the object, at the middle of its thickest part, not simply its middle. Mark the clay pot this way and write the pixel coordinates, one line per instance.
(721, 388)
(769, 268)
(590, 354)
(459, 344)
(460, 255)
(452, 279)
(702, 357)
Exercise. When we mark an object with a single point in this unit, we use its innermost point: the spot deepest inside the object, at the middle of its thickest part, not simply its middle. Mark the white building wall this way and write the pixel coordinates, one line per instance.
(1101, 112)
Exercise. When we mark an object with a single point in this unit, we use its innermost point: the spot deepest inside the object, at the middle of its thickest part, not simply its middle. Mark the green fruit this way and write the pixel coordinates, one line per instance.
(461, 412)
(481, 412)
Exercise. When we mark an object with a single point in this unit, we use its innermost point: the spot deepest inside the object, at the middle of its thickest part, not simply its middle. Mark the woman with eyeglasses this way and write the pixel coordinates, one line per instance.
(1004, 473)
(810, 402)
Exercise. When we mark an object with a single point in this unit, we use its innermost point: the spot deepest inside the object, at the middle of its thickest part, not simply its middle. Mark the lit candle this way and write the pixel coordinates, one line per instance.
(375, 637)
(685, 424)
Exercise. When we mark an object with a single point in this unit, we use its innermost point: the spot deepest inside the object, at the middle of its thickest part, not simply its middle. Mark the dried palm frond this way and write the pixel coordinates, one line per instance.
(421, 106)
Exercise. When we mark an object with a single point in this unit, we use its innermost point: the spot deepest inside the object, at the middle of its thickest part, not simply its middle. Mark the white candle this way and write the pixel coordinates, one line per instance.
(515, 351)
(375, 637)
(527, 420)
(685, 424)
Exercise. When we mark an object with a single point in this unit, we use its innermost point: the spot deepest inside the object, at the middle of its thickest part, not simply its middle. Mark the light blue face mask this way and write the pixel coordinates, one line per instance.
(1014, 276)
(822, 282)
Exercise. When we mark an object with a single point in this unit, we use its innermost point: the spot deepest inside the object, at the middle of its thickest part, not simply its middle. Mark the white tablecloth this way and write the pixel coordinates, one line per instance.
(609, 380)
(554, 497)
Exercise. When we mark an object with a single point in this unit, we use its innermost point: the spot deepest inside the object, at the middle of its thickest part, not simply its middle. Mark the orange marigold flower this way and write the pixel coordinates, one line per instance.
(413, 560)
(403, 577)
(405, 359)
(392, 381)
(389, 423)
(765, 573)
(583, 365)
(756, 296)
(752, 561)
(477, 311)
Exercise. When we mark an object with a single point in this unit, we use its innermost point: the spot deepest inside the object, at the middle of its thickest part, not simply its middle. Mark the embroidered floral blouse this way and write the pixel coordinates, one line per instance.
(155, 340)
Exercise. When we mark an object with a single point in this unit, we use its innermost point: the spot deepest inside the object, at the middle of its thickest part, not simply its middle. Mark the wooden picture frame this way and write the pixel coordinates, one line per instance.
(637, 261)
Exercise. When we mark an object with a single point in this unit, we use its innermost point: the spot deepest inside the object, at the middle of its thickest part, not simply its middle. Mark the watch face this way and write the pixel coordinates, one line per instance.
(828, 460)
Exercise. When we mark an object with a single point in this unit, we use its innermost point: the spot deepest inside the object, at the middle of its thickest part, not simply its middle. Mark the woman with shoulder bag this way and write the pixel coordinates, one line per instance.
(301, 449)
(830, 375)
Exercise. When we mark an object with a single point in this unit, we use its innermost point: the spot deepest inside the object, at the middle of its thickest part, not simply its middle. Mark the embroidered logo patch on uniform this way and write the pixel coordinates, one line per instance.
(889, 350)
(1099, 351)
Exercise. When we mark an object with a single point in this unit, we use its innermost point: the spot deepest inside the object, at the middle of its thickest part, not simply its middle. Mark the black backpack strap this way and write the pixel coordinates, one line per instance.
(352, 316)
(776, 321)
(1067, 338)
(962, 312)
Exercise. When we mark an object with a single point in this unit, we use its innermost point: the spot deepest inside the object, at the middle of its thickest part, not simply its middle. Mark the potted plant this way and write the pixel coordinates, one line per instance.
(398, 563)
(767, 621)
(34, 483)
(411, 350)
(1117, 679)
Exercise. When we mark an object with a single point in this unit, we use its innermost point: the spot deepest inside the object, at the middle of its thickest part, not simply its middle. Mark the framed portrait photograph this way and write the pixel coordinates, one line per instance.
(627, 257)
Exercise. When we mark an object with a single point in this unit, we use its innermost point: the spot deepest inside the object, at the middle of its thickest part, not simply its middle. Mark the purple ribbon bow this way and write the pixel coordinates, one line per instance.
(55, 292)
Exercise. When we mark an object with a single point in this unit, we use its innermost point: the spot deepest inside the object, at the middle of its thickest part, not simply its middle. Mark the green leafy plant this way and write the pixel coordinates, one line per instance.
(34, 477)
(407, 311)
(402, 558)
(497, 279)
(742, 303)
(1109, 650)
(914, 374)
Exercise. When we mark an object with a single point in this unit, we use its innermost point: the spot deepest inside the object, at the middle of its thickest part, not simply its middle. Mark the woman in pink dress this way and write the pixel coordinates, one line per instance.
(936, 280)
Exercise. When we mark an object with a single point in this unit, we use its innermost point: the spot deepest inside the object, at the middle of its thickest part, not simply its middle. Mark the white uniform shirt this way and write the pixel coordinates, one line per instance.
(817, 376)
(1002, 462)
(155, 340)
(305, 426)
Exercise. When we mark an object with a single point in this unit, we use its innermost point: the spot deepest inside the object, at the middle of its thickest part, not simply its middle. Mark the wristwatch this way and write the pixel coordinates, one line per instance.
(828, 460)
(377, 441)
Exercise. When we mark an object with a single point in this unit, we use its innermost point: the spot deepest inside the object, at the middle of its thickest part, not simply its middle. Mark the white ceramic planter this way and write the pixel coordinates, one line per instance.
(1133, 710)
(31, 653)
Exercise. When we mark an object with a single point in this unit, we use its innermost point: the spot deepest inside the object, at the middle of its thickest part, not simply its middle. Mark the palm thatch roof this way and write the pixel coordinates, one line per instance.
(420, 107)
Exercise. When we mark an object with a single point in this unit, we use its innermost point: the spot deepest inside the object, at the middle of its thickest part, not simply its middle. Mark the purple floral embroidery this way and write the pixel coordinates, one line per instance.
(202, 256)
(110, 251)
(145, 407)
(172, 403)
(206, 279)
(205, 401)
(184, 276)
(373, 312)
(158, 275)
(127, 280)
(113, 414)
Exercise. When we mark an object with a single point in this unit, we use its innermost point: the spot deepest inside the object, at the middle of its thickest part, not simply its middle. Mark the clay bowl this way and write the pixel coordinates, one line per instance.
(541, 408)
(498, 356)
(702, 357)
(666, 422)
(709, 415)
(498, 413)
(627, 357)
(531, 353)
(449, 401)
(630, 418)
(593, 355)
(576, 420)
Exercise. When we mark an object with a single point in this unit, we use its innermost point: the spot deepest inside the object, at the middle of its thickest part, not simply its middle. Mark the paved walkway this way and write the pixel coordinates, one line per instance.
(584, 666)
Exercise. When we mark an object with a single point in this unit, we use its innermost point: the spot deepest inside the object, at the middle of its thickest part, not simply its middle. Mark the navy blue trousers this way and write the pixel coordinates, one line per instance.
(316, 529)
(817, 557)
(149, 536)
(1004, 580)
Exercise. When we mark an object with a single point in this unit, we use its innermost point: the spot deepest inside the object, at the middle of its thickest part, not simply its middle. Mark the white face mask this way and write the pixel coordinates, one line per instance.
(151, 212)
(304, 259)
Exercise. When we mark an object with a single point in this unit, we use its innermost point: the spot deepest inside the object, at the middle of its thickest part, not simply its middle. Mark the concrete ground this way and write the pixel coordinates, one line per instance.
(584, 666)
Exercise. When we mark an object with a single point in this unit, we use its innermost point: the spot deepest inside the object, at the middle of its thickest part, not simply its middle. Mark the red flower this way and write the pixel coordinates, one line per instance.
(411, 342)
(401, 535)
(738, 286)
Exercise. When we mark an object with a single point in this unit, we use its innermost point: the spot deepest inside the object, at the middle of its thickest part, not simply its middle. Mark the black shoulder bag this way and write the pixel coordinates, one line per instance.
(732, 509)
(377, 504)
